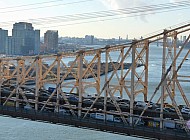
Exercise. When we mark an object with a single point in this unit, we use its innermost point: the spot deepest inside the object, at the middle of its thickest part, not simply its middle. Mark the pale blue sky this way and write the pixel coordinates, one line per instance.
(124, 24)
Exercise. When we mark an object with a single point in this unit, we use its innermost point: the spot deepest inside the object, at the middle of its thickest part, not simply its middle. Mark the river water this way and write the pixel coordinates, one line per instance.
(18, 129)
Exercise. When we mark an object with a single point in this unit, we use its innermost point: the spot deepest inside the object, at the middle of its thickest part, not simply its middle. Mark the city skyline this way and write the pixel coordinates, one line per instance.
(133, 25)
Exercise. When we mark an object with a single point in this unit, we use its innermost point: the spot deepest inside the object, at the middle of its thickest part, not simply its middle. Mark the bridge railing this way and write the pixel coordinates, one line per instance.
(113, 127)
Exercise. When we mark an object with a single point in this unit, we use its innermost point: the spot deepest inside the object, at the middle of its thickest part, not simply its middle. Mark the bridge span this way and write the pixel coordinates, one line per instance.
(84, 69)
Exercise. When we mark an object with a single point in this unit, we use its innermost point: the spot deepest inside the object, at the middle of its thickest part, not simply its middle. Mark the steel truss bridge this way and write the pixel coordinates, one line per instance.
(129, 83)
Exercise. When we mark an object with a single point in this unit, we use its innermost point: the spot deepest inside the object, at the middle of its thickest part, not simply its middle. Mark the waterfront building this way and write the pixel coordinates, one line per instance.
(37, 42)
(10, 46)
(89, 39)
(51, 40)
(184, 38)
(24, 41)
(3, 39)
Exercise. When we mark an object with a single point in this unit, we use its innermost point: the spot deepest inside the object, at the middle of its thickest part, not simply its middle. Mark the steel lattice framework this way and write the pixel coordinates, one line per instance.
(128, 83)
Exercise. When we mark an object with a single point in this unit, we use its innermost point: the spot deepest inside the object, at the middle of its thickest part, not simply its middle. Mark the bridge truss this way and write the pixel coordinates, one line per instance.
(102, 71)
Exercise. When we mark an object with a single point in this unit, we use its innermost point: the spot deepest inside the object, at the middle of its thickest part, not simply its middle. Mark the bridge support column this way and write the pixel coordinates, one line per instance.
(107, 82)
(38, 80)
(122, 82)
(98, 72)
(132, 83)
(174, 64)
(146, 70)
(80, 85)
(58, 82)
(163, 86)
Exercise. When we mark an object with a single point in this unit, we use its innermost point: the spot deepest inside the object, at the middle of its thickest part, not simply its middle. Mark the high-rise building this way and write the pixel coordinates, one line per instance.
(184, 38)
(37, 42)
(10, 46)
(51, 40)
(3, 39)
(89, 39)
(25, 40)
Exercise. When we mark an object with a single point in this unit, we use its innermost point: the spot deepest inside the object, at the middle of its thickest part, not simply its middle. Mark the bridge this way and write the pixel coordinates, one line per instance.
(75, 77)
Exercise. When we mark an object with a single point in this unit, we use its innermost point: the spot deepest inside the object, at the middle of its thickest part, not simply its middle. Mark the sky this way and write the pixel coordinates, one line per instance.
(73, 17)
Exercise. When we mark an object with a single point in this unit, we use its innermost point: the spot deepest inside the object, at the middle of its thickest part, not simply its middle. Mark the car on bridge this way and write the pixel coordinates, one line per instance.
(185, 110)
(164, 109)
(142, 104)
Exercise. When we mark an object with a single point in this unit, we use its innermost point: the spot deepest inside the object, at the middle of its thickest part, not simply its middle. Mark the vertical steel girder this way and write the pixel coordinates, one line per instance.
(169, 53)
(132, 83)
(79, 82)
(122, 82)
(58, 81)
(168, 57)
(106, 92)
(163, 86)
(38, 79)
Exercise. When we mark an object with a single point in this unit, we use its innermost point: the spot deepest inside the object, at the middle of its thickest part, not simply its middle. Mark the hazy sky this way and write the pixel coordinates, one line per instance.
(133, 25)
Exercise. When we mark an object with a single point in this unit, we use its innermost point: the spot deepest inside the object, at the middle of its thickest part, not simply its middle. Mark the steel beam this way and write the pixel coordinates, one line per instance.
(80, 84)
(132, 83)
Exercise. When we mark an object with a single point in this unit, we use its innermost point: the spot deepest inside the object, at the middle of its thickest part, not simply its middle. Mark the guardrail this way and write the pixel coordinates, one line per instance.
(89, 123)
